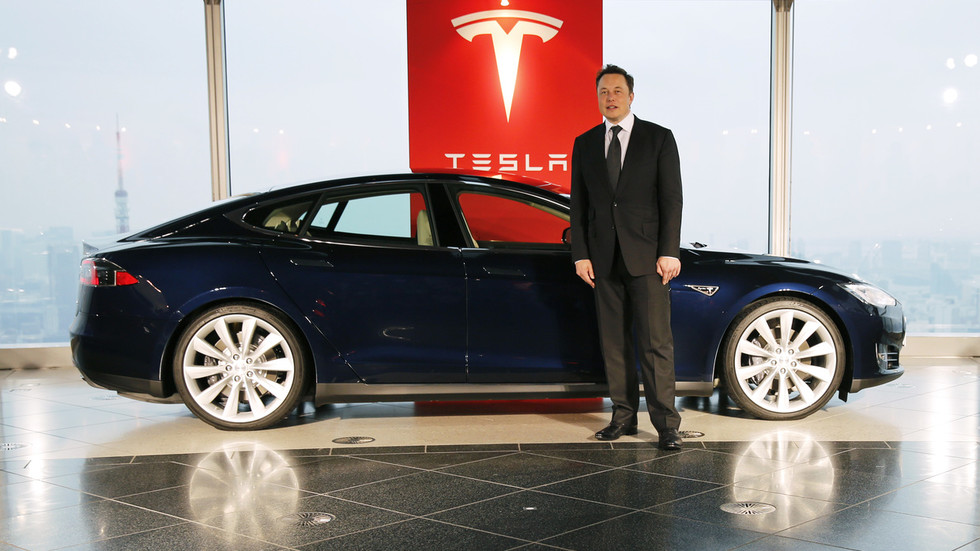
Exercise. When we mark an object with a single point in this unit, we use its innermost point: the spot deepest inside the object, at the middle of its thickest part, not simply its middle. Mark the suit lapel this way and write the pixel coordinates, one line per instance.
(597, 154)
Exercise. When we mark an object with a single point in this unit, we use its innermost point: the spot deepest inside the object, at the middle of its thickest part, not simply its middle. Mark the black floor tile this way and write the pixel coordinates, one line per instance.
(967, 450)
(48, 468)
(868, 528)
(524, 470)
(431, 461)
(533, 497)
(584, 445)
(379, 450)
(531, 515)
(331, 473)
(819, 480)
(609, 458)
(82, 523)
(628, 488)
(788, 510)
(779, 543)
(275, 524)
(35, 496)
(417, 535)
(905, 465)
(644, 530)
(473, 448)
(424, 493)
(949, 502)
(129, 479)
(712, 466)
(182, 537)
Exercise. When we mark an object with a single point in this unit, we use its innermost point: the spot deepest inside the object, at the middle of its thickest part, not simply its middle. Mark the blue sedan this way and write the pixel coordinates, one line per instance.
(439, 287)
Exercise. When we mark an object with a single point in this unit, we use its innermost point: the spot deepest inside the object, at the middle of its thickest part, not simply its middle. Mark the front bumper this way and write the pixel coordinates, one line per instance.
(885, 366)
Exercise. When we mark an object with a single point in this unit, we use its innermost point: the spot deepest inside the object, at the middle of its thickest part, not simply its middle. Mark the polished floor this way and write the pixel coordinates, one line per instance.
(896, 467)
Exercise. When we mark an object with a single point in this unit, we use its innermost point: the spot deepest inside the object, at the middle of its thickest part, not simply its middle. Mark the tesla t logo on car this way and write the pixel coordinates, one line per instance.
(501, 86)
(507, 45)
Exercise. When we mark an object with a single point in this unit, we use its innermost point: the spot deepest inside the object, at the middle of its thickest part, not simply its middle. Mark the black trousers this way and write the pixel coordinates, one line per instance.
(637, 305)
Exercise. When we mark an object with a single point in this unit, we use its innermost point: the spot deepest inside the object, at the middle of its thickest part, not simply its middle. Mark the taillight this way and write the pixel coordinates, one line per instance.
(101, 273)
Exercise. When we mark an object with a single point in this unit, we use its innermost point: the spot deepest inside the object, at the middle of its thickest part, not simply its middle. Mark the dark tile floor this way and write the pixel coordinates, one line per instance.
(894, 468)
(800, 495)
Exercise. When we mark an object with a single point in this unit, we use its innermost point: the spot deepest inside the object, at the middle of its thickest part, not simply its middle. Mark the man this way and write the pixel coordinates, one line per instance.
(626, 220)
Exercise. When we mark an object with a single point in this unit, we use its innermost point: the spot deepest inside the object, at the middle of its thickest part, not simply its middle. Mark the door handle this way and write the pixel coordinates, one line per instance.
(312, 262)
(509, 272)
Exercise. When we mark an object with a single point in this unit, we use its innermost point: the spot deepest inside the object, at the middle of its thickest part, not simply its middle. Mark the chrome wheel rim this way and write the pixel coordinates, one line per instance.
(238, 368)
(786, 360)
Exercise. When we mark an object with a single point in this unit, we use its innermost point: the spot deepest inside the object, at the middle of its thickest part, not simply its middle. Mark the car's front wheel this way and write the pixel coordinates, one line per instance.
(784, 359)
(239, 367)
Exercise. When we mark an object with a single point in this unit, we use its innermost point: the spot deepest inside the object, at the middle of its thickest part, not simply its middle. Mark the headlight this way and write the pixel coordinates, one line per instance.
(870, 294)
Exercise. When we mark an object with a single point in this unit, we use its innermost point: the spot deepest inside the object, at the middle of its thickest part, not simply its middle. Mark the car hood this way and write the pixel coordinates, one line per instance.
(707, 255)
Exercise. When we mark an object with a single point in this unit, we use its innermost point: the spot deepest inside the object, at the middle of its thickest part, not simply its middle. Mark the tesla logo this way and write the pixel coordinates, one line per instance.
(501, 86)
(507, 44)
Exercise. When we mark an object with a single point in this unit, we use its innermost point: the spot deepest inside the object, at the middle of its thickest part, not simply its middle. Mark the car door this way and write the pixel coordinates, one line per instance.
(530, 318)
(367, 267)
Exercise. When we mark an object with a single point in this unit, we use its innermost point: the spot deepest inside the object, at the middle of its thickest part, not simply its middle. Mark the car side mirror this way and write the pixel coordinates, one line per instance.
(566, 236)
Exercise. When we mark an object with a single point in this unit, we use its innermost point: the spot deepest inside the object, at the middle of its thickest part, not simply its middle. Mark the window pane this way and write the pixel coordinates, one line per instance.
(492, 219)
(388, 215)
(702, 70)
(315, 90)
(396, 215)
(72, 71)
(885, 137)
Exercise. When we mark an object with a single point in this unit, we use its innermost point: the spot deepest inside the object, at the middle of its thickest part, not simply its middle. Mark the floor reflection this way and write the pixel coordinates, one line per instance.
(247, 478)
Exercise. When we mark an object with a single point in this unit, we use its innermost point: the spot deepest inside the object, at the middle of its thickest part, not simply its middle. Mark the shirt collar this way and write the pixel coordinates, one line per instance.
(626, 124)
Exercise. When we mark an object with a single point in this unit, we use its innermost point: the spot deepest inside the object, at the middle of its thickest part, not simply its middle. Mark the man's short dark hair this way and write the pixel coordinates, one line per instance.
(614, 70)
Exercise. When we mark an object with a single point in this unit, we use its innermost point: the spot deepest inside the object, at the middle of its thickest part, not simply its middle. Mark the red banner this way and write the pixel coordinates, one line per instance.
(502, 86)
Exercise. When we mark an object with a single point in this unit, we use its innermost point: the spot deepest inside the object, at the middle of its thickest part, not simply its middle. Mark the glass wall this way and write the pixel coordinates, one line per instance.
(305, 104)
(702, 70)
(885, 111)
(885, 134)
(316, 90)
(103, 128)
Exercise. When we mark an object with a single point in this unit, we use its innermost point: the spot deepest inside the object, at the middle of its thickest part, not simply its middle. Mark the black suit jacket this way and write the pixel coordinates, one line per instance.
(644, 209)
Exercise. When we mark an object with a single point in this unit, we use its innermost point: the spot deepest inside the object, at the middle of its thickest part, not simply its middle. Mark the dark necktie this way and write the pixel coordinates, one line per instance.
(614, 157)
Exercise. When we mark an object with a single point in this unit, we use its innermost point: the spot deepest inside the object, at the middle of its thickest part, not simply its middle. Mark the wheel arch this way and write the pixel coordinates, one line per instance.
(811, 298)
(167, 358)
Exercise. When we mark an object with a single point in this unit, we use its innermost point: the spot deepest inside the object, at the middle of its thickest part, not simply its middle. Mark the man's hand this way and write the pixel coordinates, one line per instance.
(583, 268)
(668, 267)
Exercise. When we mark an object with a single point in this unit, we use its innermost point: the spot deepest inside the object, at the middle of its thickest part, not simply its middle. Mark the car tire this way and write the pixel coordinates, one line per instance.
(240, 367)
(783, 359)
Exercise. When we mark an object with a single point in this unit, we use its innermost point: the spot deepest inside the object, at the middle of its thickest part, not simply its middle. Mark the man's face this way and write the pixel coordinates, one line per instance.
(614, 97)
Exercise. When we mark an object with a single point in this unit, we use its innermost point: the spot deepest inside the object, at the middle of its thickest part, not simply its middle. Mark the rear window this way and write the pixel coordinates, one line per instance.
(284, 216)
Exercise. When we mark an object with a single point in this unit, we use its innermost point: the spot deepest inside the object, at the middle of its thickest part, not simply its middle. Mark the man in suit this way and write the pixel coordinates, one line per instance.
(626, 221)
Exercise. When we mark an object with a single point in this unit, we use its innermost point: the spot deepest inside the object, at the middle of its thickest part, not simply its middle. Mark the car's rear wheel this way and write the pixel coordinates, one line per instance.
(784, 359)
(240, 367)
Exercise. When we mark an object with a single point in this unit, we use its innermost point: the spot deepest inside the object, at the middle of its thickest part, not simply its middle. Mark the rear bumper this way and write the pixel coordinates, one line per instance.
(119, 353)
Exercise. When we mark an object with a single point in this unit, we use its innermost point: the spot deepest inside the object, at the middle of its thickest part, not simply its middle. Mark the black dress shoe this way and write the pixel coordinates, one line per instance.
(670, 440)
(614, 431)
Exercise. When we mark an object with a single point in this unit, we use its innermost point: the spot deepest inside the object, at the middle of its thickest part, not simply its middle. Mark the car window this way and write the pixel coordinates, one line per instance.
(512, 222)
(391, 218)
(284, 216)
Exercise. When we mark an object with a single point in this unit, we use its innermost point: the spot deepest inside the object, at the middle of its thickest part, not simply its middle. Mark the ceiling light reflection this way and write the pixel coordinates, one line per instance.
(970, 60)
(950, 64)
(12, 88)
(950, 95)
(12, 52)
